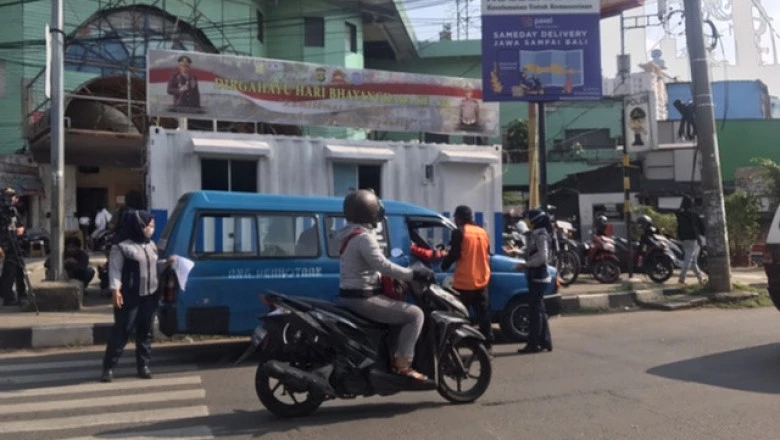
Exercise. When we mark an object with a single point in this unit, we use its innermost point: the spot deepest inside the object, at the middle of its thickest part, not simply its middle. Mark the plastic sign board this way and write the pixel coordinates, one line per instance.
(541, 50)
(641, 126)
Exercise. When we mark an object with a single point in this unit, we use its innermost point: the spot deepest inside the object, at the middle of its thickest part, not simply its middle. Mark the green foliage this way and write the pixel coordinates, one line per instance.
(770, 170)
(743, 217)
(517, 135)
(512, 198)
(665, 223)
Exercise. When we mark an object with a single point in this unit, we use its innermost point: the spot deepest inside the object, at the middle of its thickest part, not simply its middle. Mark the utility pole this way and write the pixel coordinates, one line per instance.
(707, 141)
(57, 124)
(542, 149)
(624, 69)
(533, 156)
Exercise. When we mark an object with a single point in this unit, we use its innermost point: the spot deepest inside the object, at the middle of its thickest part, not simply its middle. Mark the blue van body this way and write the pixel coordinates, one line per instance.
(242, 246)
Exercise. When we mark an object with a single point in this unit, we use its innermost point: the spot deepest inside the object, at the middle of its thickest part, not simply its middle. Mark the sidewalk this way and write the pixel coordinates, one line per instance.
(88, 326)
(91, 324)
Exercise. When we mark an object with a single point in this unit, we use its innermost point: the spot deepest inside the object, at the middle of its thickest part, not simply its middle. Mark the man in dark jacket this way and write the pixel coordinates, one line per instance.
(690, 228)
(13, 265)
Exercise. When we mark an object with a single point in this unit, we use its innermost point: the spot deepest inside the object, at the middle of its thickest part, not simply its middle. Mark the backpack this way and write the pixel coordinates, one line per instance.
(391, 287)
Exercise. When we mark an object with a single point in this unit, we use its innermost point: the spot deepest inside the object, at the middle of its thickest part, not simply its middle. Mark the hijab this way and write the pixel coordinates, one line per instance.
(134, 224)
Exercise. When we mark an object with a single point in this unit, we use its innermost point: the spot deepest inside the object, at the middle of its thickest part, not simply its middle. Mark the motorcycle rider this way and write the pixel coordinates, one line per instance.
(600, 225)
(539, 279)
(361, 265)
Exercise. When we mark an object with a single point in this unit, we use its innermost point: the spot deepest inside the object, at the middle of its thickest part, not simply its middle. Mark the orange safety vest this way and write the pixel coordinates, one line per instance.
(473, 271)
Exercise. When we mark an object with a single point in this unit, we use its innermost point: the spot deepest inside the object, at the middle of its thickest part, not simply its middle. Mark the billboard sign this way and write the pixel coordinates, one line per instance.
(641, 126)
(541, 50)
(246, 89)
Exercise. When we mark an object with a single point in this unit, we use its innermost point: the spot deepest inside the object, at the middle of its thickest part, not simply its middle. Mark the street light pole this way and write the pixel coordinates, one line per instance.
(707, 141)
(57, 125)
(624, 67)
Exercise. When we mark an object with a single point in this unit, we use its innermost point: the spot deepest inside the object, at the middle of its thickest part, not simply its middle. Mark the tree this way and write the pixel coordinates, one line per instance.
(743, 217)
(770, 172)
(517, 135)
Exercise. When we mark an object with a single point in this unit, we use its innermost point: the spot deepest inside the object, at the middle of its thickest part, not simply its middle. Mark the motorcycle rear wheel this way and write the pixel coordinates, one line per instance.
(267, 395)
(606, 271)
(450, 368)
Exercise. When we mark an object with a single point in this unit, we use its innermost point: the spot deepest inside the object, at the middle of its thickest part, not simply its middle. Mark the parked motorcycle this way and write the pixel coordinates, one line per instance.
(565, 256)
(318, 351)
(658, 260)
(103, 240)
(603, 260)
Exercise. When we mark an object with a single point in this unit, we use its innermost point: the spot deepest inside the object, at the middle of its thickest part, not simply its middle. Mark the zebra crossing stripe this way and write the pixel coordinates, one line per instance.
(101, 402)
(193, 433)
(84, 374)
(101, 419)
(118, 385)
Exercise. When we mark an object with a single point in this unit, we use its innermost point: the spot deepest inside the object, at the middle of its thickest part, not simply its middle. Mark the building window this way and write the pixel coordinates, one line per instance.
(349, 177)
(351, 38)
(314, 31)
(228, 175)
(260, 26)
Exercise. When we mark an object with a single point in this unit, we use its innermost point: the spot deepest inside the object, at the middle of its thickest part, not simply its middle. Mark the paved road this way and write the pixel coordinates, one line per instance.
(700, 374)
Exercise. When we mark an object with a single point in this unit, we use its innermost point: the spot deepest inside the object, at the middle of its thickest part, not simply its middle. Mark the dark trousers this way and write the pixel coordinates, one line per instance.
(539, 331)
(83, 275)
(12, 272)
(137, 314)
(478, 301)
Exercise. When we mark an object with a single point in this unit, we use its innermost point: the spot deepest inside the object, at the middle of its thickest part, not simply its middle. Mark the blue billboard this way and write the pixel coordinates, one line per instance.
(545, 57)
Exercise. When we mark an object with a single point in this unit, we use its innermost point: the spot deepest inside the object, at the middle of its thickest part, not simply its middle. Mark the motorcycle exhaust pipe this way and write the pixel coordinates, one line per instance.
(297, 380)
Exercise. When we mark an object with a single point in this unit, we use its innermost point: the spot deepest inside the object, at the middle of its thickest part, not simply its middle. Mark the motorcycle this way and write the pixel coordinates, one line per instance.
(103, 240)
(565, 256)
(320, 351)
(603, 260)
(658, 260)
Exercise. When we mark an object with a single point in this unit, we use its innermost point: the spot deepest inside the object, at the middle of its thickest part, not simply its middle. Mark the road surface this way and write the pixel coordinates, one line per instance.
(701, 374)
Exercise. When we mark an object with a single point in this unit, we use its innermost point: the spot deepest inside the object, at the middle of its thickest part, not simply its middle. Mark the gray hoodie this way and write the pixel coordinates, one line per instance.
(363, 261)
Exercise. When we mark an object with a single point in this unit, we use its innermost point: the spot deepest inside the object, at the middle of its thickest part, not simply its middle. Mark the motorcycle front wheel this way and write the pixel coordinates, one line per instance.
(283, 403)
(659, 268)
(606, 271)
(569, 267)
(457, 365)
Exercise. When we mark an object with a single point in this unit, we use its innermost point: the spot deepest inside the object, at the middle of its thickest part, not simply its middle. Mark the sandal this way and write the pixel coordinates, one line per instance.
(403, 368)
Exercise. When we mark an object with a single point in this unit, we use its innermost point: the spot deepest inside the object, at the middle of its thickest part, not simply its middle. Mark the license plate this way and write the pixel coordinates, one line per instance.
(258, 335)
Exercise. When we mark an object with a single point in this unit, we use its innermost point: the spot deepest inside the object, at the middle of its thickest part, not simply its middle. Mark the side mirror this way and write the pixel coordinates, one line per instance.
(396, 253)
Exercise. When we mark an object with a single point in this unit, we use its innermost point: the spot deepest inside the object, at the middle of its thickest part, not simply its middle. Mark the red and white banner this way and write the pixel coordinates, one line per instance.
(233, 88)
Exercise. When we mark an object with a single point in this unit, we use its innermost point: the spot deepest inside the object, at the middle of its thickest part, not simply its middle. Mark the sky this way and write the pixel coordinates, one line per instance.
(428, 16)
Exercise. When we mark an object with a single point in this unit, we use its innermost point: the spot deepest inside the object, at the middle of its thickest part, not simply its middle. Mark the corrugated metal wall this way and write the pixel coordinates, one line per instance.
(301, 166)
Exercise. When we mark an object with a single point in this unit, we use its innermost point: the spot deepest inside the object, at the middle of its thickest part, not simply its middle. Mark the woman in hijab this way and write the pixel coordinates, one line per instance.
(132, 268)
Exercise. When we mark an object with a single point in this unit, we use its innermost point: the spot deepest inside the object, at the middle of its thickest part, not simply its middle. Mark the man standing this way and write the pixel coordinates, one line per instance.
(471, 250)
(102, 219)
(13, 265)
(690, 228)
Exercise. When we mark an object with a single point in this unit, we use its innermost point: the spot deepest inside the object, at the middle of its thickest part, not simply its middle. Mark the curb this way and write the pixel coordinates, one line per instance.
(52, 336)
(610, 302)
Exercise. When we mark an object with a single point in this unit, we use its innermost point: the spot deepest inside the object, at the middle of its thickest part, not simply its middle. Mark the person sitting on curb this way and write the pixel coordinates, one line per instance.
(75, 262)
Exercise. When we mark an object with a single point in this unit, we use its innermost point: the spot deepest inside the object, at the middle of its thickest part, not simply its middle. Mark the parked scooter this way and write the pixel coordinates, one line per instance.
(565, 257)
(603, 260)
(317, 351)
(677, 249)
(654, 256)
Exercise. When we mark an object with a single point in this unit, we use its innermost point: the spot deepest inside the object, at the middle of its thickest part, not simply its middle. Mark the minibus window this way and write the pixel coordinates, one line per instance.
(288, 235)
(334, 223)
(225, 236)
(162, 243)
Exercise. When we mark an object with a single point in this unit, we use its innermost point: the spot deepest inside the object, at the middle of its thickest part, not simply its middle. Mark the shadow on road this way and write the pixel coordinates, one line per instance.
(753, 369)
(260, 423)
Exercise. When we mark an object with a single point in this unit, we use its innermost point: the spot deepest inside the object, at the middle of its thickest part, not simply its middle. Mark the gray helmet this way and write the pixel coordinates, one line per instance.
(363, 207)
(601, 221)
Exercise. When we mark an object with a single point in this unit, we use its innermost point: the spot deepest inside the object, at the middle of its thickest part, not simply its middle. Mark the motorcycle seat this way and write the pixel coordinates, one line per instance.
(340, 310)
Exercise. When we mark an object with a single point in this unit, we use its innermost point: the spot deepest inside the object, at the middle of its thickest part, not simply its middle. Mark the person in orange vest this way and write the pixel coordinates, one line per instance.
(470, 248)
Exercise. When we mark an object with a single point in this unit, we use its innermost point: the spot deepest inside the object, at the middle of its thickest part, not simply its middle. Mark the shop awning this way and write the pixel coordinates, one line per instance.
(366, 154)
(473, 157)
(23, 178)
(206, 146)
